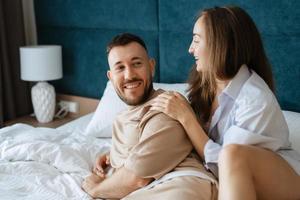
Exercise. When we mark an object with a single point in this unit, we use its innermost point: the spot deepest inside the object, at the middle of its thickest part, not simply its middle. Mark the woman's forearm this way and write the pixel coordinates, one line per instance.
(195, 132)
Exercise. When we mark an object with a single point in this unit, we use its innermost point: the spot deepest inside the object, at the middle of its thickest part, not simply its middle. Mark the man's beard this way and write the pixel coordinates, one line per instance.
(140, 100)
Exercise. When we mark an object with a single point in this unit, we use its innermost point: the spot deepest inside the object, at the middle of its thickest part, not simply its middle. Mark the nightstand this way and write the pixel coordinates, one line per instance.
(86, 105)
(30, 120)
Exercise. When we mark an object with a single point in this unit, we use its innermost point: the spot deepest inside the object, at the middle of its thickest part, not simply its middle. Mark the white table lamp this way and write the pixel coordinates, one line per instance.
(42, 63)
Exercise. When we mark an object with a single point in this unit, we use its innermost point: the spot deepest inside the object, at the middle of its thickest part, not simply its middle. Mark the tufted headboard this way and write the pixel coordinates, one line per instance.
(84, 27)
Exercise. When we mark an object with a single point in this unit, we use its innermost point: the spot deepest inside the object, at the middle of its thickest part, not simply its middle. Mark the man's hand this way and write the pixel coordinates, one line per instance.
(90, 184)
(101, 163)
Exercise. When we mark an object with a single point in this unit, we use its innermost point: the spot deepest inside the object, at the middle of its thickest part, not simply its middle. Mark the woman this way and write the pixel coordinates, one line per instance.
(233, 119)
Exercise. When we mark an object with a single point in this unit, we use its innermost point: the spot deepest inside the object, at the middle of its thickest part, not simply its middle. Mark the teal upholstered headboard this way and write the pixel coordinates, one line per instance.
(84, 27)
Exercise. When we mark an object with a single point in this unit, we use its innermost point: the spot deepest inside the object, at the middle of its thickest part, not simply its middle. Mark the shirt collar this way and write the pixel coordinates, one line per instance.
(234, 86)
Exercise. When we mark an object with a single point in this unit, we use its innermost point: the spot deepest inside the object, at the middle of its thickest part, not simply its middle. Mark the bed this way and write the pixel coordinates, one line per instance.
(45, 163)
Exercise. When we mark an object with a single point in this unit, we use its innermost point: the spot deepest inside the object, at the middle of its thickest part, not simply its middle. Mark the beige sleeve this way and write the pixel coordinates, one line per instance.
(163, 145)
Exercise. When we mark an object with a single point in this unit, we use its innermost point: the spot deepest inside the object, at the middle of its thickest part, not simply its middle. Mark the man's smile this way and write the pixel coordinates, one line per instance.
(132, 85)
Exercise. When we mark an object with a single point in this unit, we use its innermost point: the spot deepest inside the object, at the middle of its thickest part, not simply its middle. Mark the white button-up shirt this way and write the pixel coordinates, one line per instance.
(248, 113)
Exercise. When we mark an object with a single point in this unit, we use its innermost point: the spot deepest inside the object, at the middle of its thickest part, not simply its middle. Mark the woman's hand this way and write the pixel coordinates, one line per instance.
(173, 104)
(101, 163)
(176, 106)
(90, 184)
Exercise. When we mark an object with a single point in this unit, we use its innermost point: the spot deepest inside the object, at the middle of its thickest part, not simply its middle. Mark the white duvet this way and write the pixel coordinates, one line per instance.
(44, 163)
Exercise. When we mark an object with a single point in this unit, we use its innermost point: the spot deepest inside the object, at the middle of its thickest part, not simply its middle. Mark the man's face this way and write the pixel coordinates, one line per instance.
(131, 72)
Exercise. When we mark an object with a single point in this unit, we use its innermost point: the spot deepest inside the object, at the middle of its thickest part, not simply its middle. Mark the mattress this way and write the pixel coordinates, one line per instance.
(44, 163)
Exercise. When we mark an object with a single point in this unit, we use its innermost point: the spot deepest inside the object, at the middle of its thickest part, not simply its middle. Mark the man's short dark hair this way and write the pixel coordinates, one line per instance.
(124, 39)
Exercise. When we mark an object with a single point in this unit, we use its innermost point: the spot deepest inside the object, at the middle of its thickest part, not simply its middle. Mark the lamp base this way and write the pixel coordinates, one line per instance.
(43, 101)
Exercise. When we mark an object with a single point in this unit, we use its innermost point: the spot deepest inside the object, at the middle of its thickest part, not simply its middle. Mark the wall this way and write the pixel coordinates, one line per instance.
(84, 28)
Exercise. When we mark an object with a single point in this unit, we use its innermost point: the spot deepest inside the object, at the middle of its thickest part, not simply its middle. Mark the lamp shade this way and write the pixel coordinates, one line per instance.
(41, 63)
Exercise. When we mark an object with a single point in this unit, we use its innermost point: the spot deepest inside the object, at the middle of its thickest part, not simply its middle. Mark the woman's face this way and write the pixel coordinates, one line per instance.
(198, 46)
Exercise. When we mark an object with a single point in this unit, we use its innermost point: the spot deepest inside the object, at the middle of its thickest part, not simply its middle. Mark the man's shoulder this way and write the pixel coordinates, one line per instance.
(160, 124)
(158, 119)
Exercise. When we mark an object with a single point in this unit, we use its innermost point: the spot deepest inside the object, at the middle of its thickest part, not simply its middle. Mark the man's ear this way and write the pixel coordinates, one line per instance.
(108, 74)
(152, 66)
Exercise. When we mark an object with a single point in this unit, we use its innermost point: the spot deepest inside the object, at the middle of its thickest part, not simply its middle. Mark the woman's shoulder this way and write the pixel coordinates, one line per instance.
(255, 91)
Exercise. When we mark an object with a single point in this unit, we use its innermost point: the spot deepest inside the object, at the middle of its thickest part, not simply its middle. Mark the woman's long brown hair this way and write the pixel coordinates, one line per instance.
(232, 40)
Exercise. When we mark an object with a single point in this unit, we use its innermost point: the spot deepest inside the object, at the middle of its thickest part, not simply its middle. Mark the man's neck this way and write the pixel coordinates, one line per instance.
(145, 101)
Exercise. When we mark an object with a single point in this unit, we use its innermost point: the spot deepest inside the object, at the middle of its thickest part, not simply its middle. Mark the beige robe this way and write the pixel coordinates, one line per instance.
(151, 144)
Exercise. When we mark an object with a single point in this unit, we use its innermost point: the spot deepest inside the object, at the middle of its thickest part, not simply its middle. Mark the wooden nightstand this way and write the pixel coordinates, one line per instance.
(86, 105)
(33, 122)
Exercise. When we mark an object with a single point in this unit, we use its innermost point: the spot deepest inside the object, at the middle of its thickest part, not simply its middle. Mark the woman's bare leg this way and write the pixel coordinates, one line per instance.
(248, 172)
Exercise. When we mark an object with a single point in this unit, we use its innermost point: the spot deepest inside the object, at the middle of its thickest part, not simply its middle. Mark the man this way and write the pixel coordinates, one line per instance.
(146, 145)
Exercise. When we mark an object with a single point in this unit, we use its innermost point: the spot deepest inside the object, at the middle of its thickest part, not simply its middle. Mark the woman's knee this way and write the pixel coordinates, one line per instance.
(233, 154)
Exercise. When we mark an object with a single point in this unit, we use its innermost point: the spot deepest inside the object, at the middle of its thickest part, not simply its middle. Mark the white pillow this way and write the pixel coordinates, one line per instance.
(293, 121)
(110, 105)
(78, 125)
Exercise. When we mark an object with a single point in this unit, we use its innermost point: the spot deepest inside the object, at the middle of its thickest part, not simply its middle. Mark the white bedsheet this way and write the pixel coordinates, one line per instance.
(44, 163)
